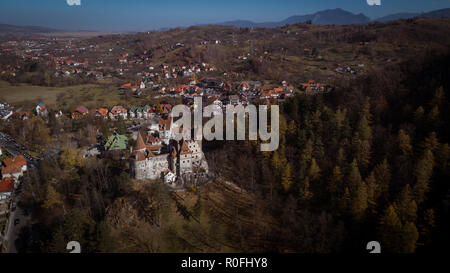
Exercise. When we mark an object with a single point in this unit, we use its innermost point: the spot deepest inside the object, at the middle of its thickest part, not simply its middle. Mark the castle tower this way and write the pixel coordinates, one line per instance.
(140, 145)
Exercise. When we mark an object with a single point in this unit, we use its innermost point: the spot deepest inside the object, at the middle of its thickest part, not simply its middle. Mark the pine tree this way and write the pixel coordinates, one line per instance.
(390, 230)
(305, 192)
(423, 173)
(431, 143)
(404, 143)
(286, 179)
(406, 206)
(382, 173)
(340, 158)
(443, 156)
(354, 177)
(308, 150)
(362, 150)
(418, 115)
(360, 201)
(345, 201)
(340, 117)
(439, 97)
(372, 191)
(52, 198)
(335, 181)
(314, 170)
(409, 235)
(426, 224)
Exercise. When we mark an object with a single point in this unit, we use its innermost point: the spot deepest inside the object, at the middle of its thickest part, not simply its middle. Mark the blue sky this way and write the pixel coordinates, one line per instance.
(140, 15)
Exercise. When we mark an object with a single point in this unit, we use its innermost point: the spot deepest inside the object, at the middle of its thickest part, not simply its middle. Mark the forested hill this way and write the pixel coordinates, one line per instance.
(369, 161)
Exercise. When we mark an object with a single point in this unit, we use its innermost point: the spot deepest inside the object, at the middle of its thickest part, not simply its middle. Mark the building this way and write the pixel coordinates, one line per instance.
(41, 110)
(80, 112)
(147, 163)
(164, 128)
(118, 111)
(6, 190)
(14, 167)
(101, 113)
(116, 142)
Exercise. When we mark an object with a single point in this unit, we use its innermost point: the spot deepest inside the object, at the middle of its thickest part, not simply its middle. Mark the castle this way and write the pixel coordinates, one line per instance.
(157, 157)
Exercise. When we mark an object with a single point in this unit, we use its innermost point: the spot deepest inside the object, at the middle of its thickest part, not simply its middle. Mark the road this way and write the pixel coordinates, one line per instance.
(13, 229)
(14, 148)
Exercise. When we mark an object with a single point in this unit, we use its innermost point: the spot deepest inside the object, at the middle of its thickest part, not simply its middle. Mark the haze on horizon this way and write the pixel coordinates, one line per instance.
(142, 15)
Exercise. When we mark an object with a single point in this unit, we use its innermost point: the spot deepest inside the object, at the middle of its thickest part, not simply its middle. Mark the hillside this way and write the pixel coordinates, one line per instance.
(337, 17)
(326, 17)
(442, 13)
(4, 28)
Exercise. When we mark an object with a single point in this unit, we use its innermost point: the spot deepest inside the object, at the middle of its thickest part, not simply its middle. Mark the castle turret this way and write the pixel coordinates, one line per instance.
(140, 145)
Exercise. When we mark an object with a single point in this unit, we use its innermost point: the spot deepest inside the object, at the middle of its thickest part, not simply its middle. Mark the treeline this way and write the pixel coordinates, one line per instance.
(369, 161)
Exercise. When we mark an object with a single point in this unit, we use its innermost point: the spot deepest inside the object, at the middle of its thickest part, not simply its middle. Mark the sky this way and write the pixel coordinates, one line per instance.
(142, 15)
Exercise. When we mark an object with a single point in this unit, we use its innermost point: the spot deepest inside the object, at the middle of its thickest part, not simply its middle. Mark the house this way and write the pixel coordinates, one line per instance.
(116, 142)
(266, 94)
(80, 112)
(58, 114)
(132, 112)
(118, 111)
(14, 167)
(151, 113)
(41, 110)
(244, 86)
(126, 86)
(21, 115)
(145, 111)
(101, 113)
(6, 190)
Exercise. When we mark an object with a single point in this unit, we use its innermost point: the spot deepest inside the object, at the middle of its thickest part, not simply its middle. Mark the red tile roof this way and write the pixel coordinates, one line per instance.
(7, 185)
(140, 145)
(14, 165)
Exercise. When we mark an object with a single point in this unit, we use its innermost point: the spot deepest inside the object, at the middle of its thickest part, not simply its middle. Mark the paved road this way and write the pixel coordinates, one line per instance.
(14, 148)
(14, 229)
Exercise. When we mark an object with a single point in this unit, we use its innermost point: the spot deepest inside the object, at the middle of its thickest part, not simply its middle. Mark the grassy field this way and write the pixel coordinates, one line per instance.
(65, 97)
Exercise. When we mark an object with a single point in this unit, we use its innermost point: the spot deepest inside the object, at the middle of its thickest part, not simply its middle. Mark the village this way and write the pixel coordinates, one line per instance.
(147, 143)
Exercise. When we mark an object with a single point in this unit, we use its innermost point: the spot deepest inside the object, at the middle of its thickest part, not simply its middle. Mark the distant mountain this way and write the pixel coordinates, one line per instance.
(336, 17)
(396, 16)
(4, 28)
(326, 17)
(442, 13)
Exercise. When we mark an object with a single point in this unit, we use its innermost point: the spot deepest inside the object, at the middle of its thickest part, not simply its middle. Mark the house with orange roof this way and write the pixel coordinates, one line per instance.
(101, 113)
(118, 111)
(266, 94)
(126, 86)
(14, 167)
(41, 110)
(6, 190)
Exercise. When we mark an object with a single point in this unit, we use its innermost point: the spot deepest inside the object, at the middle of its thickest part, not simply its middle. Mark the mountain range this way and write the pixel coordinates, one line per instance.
(4, 28)
(336, 17)
(325, 17)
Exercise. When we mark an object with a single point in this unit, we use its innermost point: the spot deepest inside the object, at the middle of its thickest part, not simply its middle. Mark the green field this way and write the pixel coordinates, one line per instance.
(65, 97)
